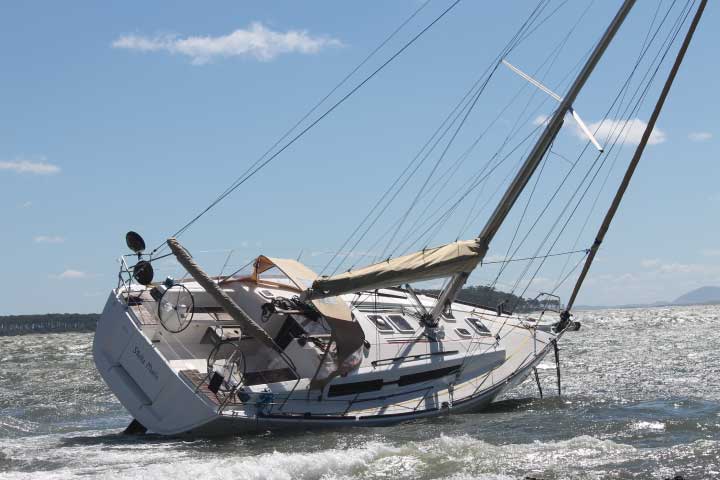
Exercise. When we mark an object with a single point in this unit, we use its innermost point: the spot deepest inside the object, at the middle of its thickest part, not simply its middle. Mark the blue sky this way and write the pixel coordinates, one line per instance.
(134, 116)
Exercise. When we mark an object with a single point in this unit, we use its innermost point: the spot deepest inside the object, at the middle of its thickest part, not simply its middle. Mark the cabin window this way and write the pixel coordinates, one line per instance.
(267, 294)
(479, 326)
(380, 323)
(463, 332)
(401, 324)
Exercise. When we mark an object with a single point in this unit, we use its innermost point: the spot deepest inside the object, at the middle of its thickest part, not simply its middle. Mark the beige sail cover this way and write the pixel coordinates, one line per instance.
(443, 261)
(347, 333)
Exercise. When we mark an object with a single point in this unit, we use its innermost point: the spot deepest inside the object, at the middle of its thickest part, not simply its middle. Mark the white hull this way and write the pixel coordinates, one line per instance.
(147, 370)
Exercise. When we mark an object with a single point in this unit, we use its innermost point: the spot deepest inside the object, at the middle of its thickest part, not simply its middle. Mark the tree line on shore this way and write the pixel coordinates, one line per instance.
(86, 322)
(48, 323)
(491, 298)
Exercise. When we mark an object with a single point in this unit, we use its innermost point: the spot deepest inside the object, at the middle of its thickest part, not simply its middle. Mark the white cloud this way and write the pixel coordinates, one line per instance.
(700, 136)
(657, 280)
(650, 263)
(711, 252)
(27, 204)
(658, 267)
(70, 274)
(48, 239)
(685, 268)
(257, 41)
(27, 166)
(630, 133)
(541, 119)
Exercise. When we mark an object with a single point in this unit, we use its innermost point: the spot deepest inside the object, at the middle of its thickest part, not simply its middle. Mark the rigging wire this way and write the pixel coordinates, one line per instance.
(667, 44)
(514, 131)
(612, 166)
(559, 254)
(256, 167)
(615, 102)
(558, 49)
(547, 63)
(454, 114)
(450, 172)
(491, 68)
(478, 179)
(672, 36)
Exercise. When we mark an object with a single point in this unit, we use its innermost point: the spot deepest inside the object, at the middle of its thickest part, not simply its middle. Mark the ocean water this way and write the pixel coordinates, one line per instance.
(641, 399)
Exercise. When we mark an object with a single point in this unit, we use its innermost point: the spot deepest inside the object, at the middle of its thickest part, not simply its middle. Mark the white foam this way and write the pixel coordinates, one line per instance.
(644, 426)
(457, 457)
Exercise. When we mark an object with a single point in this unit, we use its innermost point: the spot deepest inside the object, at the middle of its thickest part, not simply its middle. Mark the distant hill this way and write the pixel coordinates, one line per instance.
(48, 323)
(702, 295)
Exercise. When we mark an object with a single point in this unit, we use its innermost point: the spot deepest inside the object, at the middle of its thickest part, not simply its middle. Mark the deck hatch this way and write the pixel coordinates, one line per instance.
(401, 324)
(463, 332)
(479, 326)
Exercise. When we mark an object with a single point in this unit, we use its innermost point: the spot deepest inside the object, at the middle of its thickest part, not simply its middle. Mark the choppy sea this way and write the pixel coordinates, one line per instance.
(641, 399)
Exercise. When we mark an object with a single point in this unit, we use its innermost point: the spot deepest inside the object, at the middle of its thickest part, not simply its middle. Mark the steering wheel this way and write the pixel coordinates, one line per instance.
(176, 308)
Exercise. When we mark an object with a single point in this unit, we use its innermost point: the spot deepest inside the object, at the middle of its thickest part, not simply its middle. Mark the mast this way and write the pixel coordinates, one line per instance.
(534, 158)
(565, 316)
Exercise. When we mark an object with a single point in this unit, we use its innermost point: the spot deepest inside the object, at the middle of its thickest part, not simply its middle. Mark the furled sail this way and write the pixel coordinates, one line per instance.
(443, 261)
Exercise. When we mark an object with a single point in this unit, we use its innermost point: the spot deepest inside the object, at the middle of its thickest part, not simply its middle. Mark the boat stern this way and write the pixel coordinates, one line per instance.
(139, 376)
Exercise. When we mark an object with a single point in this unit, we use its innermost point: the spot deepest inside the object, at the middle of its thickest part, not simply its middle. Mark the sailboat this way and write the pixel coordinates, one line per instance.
(282, 347)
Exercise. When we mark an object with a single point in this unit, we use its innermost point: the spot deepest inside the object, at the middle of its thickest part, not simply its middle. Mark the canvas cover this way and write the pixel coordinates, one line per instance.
(348, 335)
(443, 261)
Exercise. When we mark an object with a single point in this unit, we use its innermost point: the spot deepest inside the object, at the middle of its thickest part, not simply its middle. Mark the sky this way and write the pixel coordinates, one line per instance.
(135, 115)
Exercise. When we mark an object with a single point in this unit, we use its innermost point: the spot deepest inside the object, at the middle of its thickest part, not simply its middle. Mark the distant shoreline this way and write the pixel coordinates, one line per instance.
(644, 305)
(12, 325)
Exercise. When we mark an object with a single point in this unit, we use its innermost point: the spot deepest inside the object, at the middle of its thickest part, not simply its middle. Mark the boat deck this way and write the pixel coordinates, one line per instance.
(145, 308)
